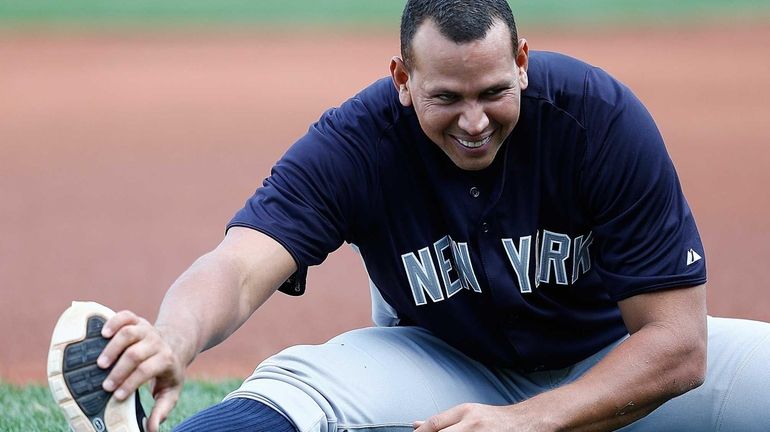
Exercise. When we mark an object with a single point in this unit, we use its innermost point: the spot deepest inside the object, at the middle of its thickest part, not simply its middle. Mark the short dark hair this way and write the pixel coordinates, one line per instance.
(460, 21)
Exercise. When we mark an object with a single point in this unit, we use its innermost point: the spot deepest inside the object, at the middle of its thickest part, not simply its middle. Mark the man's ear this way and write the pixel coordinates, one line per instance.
(522, 61)
(400, 76)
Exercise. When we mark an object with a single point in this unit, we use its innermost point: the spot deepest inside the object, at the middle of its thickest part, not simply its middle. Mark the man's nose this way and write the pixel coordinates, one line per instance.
(473, 120)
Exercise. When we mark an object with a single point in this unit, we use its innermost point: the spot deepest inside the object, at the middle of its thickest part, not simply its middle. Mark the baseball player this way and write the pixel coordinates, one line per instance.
(534, 265)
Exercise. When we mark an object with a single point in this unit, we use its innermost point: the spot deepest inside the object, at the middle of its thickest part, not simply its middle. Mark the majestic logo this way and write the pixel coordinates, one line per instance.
(692, 257)
(551, 252)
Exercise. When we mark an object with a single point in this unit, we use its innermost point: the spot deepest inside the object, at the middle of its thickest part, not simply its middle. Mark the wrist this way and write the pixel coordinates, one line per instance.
(542, 415)
(180, 343)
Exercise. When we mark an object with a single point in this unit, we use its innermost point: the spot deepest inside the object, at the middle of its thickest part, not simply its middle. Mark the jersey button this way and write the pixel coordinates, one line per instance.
(475, 192)
(484, 227)
(511, 319)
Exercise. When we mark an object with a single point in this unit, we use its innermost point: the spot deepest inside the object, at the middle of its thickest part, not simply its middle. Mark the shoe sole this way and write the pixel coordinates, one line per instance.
(75, 380)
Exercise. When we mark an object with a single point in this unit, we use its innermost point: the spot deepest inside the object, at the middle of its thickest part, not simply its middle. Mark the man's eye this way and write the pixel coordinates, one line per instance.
(446, 97)
(494, 92)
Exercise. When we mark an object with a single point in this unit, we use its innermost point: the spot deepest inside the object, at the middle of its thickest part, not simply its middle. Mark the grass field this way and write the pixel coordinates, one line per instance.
(31, 408)
(104, 13)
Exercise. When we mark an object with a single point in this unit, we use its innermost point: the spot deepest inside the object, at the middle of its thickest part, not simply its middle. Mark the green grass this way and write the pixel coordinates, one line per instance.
(102, 13)
(31, 408)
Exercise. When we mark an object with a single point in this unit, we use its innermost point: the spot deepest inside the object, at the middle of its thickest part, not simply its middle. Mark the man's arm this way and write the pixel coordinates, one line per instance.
(208, 302)
(664, 357)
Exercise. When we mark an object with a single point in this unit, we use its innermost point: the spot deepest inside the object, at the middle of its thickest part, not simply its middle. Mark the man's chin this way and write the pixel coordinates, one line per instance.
(468, 161)
(475, 164)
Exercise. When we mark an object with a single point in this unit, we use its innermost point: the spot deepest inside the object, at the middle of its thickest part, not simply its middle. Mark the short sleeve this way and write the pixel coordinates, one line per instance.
(644, 231)
(317, 192)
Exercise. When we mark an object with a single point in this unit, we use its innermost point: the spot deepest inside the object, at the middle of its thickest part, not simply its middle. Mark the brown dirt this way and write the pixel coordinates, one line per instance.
(123, 157)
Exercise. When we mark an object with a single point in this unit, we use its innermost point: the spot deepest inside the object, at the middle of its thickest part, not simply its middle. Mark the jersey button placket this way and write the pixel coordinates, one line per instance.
(484, 227)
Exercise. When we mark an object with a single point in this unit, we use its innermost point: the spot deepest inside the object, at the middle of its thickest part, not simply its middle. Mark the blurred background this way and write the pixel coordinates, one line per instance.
(131, 131)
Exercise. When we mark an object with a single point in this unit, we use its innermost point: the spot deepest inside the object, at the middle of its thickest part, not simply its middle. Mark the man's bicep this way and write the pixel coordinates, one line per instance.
(262, 262)
(679, 308)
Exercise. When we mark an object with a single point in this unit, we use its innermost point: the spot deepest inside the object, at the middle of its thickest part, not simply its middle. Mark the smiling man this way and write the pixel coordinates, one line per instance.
(466, 96)
(534, 265)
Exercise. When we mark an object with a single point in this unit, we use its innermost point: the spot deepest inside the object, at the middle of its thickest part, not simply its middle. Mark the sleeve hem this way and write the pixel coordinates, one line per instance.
(684, 283)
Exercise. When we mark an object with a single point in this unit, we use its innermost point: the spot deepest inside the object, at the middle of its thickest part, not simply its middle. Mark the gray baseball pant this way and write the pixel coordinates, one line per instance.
(381, 379)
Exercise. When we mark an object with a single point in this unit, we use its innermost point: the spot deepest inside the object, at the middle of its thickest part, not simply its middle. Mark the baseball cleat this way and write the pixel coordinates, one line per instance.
(75, 379)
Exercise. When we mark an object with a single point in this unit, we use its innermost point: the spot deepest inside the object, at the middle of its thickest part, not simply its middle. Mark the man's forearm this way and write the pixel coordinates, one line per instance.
(664, 356)
(200, 308)
(220, 291)
(629, 383)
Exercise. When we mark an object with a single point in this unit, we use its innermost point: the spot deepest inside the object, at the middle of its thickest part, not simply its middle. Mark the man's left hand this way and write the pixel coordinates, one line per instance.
(472, 417)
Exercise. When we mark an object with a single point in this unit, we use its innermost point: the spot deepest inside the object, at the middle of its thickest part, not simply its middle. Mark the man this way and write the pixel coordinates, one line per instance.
(533, 261)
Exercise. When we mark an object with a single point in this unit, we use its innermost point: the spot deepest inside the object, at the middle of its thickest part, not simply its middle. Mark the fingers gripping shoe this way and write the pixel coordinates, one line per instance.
(76, 381)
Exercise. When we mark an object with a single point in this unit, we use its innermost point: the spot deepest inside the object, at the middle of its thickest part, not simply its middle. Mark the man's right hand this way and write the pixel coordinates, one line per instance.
(208, 302)
(139, 353)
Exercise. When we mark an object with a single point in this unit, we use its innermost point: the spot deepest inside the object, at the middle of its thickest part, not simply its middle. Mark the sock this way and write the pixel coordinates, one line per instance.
(237, 415)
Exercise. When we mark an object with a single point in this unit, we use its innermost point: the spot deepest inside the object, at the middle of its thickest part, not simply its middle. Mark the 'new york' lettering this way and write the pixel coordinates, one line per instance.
(441, 270)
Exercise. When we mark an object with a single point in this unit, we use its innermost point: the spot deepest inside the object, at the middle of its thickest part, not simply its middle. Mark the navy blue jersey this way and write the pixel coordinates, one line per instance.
(520, 264)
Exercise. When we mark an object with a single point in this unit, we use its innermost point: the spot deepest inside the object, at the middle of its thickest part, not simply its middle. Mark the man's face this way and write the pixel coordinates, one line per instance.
(466, 96)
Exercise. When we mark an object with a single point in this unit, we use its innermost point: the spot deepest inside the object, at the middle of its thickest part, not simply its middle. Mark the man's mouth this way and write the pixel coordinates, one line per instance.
(473, 144)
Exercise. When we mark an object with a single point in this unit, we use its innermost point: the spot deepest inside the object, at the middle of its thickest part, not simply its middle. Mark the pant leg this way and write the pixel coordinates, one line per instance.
(373, 379)
(382, 379)
(736, 393)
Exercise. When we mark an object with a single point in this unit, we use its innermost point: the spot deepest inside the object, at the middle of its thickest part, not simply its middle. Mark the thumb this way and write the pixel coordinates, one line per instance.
(165, 401)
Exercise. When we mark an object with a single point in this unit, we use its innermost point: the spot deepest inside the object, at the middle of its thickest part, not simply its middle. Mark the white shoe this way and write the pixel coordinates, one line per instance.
(76, 381)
